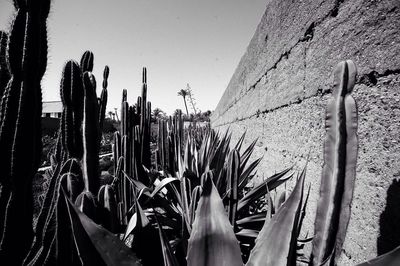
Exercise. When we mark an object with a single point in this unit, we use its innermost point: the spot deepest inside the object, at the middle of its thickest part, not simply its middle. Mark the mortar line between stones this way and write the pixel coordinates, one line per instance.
(306, 37)
(363, 79)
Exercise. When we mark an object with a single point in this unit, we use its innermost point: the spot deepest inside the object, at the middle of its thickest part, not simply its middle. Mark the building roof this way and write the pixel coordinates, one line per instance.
(52, 107)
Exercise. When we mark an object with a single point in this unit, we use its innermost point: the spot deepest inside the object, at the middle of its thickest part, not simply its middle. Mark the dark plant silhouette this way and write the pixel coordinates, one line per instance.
(157, 114)
(184, 93)
(191, 98)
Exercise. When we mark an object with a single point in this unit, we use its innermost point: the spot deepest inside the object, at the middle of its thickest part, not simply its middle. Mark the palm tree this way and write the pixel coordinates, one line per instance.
(158, 114)
(184, 93)
(110, 114)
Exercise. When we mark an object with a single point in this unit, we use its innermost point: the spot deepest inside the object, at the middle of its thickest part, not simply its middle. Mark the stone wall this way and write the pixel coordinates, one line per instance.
(279, 91)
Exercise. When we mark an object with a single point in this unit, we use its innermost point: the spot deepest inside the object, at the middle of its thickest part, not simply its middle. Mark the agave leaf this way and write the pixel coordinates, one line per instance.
(246, 155)
(185, 202)
(108, 246)
(261, 190)
(168, 255)
(277, 241)
(212, 241)
(245, 176)
(339, 170)
(233, 176)
(138, 220)
(280, 198)
(238, 145)
(392, 258)
(249, 233)
(253, 221)
(162, 184)
(196, 194)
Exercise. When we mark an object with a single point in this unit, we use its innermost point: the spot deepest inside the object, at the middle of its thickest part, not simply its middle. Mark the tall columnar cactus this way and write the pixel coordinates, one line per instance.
(103, 99)
(90, 131)
(339, 170)
(87, 61)
(4, 71)
(71, 92)
(20, 131)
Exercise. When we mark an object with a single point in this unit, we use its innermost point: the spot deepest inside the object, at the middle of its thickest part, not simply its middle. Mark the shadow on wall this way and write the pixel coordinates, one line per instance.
(390, 220)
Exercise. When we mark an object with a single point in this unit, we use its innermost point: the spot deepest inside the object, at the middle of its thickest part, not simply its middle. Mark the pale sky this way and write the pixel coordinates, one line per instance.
(199, 42)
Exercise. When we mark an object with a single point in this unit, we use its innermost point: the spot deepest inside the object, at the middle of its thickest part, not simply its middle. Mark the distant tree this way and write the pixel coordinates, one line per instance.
(176, 112)
(192, 101)
(157, 114)
(110, 114)
(202, 116)
(184, 93)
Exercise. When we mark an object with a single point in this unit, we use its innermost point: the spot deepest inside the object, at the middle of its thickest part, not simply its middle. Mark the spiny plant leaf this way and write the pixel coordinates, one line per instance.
(212, 241)
(232, 179)
(162, 184)
(168, 255)
(108, 246)
(277, 241)
(138, 219)
(261, 190)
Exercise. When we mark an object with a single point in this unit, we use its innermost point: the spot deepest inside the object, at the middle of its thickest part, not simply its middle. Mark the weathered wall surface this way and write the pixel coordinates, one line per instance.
(279, 91)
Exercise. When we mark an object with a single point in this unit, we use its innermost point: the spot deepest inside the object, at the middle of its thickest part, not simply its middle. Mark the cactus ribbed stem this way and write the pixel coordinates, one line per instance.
(87, 62)
(339, 170)
(71, 91)
(103, 99)
(4, 71)
(20, 130)
(90, 131)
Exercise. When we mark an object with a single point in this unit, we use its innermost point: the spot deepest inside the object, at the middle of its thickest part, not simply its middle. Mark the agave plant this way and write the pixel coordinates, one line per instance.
(172, 199)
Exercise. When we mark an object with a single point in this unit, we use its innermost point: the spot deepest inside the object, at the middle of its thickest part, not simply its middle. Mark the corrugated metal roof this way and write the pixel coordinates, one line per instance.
(52, 107)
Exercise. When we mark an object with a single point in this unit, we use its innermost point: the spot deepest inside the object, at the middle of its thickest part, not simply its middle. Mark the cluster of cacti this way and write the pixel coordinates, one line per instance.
(169, 143)
(75, 171)
(191, 206)
(131, 149)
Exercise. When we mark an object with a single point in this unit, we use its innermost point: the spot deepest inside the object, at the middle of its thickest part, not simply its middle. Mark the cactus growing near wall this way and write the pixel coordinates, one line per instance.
(339, 170)
(20, 131)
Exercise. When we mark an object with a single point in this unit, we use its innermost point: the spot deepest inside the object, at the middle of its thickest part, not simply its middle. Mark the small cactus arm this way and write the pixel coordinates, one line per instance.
(339, 170)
